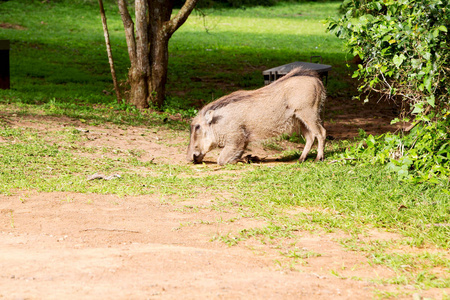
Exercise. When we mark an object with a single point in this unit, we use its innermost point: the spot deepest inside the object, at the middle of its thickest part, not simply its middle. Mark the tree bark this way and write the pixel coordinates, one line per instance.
(159, 52)
(108, 50)
(139, 74)
(149, 49)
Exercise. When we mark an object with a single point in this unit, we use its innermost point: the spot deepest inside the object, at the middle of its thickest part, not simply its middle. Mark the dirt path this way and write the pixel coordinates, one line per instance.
(73, 246)
(91, 246)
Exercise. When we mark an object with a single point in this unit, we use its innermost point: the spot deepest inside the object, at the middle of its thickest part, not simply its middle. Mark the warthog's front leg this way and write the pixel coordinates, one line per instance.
(234, 147)
(230, 155)
(233, 150)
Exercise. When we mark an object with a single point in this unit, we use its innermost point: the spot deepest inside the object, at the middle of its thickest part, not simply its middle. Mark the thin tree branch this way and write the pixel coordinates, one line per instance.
(109, 51)
(129, 30)
(180, 17)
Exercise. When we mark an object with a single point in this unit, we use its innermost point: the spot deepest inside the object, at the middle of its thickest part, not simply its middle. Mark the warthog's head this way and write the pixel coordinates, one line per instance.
(202, 138)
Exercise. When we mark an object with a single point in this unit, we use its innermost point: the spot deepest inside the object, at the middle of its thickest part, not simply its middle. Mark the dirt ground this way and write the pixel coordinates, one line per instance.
(91, 246)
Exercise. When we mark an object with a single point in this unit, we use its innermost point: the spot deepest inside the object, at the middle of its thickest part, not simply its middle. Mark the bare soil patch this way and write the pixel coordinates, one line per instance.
(85, 246)
(12, 26)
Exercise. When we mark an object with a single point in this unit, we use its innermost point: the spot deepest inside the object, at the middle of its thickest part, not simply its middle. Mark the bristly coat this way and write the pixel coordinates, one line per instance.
(290, 104)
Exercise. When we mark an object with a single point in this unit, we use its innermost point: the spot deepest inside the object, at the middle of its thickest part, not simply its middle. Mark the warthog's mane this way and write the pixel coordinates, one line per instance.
(298, 72)
(245, 95)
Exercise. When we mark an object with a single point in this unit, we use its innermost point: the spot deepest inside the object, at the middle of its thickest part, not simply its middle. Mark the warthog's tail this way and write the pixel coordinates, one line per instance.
(323, 97)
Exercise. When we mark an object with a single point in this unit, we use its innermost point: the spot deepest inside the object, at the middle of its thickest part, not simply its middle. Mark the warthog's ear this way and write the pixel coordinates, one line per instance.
(209, 117)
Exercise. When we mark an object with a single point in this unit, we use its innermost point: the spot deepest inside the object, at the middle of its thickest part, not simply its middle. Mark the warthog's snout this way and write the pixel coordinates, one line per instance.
(195, 157)
(198, 158)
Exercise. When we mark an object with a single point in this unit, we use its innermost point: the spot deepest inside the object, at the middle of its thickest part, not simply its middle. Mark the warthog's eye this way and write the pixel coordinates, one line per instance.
(197, 127)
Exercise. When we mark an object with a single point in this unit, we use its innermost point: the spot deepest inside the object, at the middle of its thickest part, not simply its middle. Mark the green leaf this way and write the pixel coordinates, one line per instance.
(427, 83)
(402, 173)
(370, 141)
(431, 100)
(418, 108)
(398, 59)
(416, 63)
(442, 28)
(378, 4)
(435, 33)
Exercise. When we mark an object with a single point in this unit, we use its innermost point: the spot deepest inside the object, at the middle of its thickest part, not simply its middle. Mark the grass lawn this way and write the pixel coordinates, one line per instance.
(59, 67)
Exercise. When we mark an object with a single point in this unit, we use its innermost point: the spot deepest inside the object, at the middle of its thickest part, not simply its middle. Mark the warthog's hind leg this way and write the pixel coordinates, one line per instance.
(309, 138)
(321, 143)
(312, 129)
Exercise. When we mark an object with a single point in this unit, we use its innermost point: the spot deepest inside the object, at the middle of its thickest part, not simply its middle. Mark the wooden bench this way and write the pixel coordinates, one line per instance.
(273, 74)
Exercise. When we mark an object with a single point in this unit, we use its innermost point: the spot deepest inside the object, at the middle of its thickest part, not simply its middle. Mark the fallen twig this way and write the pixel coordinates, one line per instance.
(106, 229)
(101, 176)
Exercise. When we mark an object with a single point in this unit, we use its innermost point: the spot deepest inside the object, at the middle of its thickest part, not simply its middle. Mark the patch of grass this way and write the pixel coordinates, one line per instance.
(226, 238)
(293, 138)
(272, 145)
(297, 253)
(424, 269)
(379, 294)
(37, 163)
(361, 195)
(290, 155)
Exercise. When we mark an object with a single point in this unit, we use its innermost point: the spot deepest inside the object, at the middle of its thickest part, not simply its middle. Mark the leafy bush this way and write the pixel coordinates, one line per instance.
(404, 46)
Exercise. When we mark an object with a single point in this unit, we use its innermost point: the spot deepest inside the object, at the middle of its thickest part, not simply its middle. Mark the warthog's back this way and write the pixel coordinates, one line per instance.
(270, 110)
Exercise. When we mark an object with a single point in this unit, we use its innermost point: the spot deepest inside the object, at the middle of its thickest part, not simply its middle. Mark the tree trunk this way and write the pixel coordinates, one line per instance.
(149, 49)
(159, 66)
(139, 93)
(159, 51)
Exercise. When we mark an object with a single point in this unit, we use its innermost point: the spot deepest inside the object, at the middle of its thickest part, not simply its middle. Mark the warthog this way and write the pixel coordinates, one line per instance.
(290, 104)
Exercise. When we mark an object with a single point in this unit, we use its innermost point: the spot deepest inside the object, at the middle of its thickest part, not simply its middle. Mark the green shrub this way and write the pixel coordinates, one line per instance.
(404, 46)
